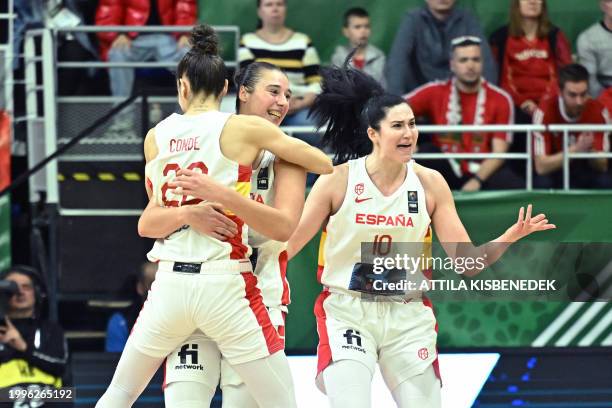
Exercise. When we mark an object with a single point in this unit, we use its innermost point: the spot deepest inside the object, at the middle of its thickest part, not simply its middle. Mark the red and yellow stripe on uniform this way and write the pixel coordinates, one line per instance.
(321, 261)
(243, 187)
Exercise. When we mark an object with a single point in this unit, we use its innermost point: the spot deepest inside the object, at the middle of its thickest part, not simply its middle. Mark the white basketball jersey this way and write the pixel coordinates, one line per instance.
(192, 142)
(271, 267)
(367, 216)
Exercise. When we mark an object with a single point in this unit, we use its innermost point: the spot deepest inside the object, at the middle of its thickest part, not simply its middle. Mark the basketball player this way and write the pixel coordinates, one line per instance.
(203, 283)
(263, 90)
(382, 197)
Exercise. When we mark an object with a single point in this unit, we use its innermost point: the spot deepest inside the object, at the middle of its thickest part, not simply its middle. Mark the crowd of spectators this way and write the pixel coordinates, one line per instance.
(512, 77)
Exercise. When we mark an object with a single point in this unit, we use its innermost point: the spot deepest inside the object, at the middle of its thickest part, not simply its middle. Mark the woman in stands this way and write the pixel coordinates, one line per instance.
(263, 90)
(383, 198)
(291, 51)
(203, 283)
(530, 50)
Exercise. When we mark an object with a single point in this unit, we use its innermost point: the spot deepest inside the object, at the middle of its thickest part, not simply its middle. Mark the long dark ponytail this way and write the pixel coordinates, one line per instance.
(350, 102)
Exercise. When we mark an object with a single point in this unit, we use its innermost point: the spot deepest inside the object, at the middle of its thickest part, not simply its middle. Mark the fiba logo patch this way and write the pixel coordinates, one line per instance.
(353, 340)
(263, 179)
(188, 351)
(359, 189)
(423, 353)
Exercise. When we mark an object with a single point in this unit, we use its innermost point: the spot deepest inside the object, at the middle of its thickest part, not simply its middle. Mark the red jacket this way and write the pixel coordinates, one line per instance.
(551, 110)
(606, 98)
(136, 12)
(528, 69)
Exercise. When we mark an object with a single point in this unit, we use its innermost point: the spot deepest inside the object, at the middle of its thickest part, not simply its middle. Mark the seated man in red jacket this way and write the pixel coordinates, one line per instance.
(132, 47)
(465, 99)
(573, 105)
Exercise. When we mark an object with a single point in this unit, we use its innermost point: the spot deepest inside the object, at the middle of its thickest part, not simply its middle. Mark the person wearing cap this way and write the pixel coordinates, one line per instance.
(466, 98)
(419, 53)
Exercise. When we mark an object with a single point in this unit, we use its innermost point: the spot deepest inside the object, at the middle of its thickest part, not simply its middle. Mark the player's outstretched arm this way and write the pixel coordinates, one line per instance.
(455, 239)
(264, 135)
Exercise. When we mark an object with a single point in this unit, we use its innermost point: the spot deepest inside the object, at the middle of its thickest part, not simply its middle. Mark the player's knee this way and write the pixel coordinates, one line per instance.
(422, 390)
(348, 383)
(187, 394)
(237, 396)
(116, 397)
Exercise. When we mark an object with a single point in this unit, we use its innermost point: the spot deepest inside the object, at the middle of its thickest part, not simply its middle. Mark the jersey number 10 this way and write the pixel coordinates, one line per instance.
(382, 244)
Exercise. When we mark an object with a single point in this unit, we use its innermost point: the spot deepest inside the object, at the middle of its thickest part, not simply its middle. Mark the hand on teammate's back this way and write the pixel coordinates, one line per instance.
(208, 218)
(194, 183)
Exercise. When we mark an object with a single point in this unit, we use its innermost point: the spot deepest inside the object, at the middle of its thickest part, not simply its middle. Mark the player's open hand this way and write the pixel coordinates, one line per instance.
(526, 224)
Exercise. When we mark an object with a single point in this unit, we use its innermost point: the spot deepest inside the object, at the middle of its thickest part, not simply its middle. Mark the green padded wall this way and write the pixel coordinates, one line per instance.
(579, 216)
(322, 19)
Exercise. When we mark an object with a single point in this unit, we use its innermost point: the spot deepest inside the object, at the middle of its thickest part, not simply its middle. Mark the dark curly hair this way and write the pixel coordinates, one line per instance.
(350, 102)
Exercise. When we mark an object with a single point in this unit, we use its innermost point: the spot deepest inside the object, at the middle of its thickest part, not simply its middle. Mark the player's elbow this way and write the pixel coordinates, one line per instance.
(323, 165)
(328, 166)
(143, 230)
(281, 236)
(284, 232)
(285, 228)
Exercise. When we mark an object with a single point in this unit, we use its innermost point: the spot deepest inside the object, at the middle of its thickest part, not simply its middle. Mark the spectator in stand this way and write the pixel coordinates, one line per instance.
(573, 105)
(595, 51)
(367, 58)
(120, 324)
(467, 98)
(28, 15)
(74, 46)
(420, 51)
(529, 51)
(33, 350)
(291, 51)
(134, 47)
